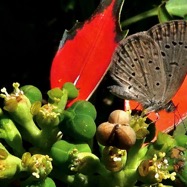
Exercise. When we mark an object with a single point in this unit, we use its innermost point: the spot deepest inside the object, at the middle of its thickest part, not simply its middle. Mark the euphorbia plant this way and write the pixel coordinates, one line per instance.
(53, 144)
(55, 141)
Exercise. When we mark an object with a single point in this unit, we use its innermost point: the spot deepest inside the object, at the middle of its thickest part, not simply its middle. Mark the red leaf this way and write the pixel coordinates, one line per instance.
(86, 50)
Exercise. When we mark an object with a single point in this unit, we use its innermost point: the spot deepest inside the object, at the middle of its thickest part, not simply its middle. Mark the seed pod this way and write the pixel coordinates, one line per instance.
(120, 136)
(120, 117)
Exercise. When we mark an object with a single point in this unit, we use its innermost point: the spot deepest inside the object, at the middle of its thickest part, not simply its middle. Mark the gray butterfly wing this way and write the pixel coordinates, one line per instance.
(138, 69)
(172, 40)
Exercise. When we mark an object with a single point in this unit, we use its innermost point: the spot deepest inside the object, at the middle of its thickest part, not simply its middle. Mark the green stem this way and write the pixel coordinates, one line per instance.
(47, 138)
(33, 130)
(111, 179)
(39, 138)
(67, 114)
(28, 181)
(57, 174)
(118, 178)
(135, 155)
(30, 132)
(141, 16)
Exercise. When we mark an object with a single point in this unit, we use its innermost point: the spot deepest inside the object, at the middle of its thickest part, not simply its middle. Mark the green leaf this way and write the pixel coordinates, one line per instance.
(163, 14)
(177, 7)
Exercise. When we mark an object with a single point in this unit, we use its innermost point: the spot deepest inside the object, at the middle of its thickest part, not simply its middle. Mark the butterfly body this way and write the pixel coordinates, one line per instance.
(150, 66)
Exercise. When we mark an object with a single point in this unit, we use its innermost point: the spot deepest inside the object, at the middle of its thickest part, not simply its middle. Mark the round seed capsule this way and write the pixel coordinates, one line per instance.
(120, 136)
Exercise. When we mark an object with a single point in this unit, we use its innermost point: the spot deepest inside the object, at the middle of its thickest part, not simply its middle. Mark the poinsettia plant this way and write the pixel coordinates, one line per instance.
(64, 140)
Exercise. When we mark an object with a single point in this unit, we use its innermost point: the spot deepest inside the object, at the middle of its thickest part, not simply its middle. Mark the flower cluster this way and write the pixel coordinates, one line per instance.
(157, 168)
(47, 141)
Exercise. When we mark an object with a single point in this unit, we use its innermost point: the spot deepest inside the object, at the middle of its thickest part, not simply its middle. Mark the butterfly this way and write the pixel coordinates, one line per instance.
(149, 67)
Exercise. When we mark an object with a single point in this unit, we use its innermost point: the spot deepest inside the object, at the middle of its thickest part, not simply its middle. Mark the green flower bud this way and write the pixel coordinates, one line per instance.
(155, 170)
(19, 108)
(55, 94)
(114, 159)
(146, 175)
(79, 121)
(38, 165)
(71, 89)
(9, 164)
(58, 97)
(83, 107)
(32, 92)
(17, 104)
(11, 135)
(35, 107)
(47, 182)
(60, 151)
(79, 128)
(84, 162)
(46, 117)
(83, 147)
(139, 126)
(63, 154)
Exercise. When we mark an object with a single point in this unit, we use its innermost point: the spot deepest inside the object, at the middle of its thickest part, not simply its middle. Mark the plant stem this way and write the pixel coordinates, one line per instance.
(141, 16)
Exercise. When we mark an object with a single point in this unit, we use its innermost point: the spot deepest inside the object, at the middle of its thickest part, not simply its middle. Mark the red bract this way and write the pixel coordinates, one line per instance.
(86, 50)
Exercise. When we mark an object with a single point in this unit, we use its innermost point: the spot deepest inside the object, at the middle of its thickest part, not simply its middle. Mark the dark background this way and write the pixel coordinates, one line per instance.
(30, 32)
